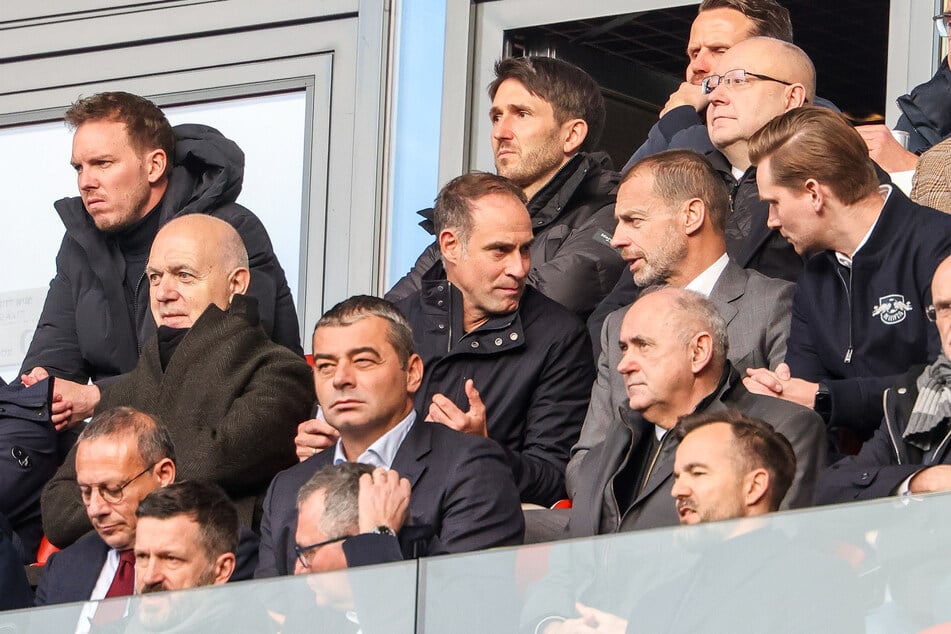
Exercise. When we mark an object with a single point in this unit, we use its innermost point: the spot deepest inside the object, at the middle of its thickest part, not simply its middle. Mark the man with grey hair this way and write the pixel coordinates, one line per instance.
(366, 375)
(674, 361)
(348, 515)
(230, 396)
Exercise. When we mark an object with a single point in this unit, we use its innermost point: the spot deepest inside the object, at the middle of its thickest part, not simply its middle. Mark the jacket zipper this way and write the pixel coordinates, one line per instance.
(135, 313)
(848, 296)
(888, 425)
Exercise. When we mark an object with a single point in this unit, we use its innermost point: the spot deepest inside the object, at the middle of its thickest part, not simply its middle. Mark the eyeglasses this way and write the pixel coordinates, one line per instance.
(305, 554)
(941, 23)
(737, 77)
(942, 310)
(112, 495)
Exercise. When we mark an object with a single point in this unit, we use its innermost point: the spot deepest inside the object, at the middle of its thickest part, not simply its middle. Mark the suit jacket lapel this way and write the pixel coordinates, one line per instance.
(408, 461)
(729, 288)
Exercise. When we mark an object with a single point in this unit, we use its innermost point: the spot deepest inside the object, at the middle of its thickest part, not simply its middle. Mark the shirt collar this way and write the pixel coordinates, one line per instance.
(845, 260)
(705, 282)
(383, 451)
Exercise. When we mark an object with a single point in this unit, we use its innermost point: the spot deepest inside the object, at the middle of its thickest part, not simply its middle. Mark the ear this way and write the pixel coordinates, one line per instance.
(165, 471)
(574, 131)
(239, 281)
(155, 162)
(701, 351)
(795, 96)
(816, 193)
(414, 373)
(756, 487)
(450, 246)
(694, 215)
(224, 568)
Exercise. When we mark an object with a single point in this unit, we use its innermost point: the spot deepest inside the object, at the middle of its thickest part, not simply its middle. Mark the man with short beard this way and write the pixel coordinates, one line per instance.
(547, 117)
(671, 211)
(186, 538)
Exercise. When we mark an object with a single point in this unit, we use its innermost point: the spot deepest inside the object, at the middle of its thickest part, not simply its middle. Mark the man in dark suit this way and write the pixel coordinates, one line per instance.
(671, 211)
(366, 375)
(674, 363)
(121, 456)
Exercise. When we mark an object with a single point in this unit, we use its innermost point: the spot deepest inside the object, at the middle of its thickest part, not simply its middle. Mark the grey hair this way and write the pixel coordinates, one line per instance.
(341, 486)
(152, 437)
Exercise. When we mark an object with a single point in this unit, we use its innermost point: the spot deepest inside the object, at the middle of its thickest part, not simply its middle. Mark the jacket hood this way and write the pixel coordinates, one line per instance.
(207, 172)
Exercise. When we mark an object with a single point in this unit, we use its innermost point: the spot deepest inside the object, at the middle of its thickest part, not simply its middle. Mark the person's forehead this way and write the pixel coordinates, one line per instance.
(310, 515)
(499, 212)
(637, 187)
(369, 332)
(176, 534)
(106, 456)
(179, 245)
(722, 23)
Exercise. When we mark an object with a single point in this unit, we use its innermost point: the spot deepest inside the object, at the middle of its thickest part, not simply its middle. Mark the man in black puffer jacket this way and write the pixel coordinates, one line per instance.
(135, 173)
(546, 117)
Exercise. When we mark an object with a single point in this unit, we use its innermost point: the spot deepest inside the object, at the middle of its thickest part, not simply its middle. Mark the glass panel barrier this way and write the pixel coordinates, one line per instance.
(877, 567)
(881, 567)
(373, 599)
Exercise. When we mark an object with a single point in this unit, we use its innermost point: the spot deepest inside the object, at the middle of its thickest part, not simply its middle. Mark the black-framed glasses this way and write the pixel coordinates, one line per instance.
(941, 23)
(306, 553)
(943, 311)
(112, 495)
(736, 77)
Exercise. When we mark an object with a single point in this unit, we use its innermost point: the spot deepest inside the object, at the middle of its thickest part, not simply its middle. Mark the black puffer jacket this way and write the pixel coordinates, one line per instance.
(573, 221)
(93, 326)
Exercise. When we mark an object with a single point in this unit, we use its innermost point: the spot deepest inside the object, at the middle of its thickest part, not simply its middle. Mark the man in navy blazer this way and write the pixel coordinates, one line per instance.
(463, 494)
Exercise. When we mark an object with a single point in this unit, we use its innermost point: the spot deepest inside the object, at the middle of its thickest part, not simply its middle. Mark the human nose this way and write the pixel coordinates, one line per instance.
(166, 289)
(343, 375)
(502, 127)
(700, 65)
(518, 264)
(86, 180)
(620, 239)
(772, 218)
(628, 363)
(299, 568)
(97, 505)
(680, 488)
(149, 572)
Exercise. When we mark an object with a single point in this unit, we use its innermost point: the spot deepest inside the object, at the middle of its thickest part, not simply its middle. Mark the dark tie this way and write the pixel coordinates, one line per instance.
(124, 582)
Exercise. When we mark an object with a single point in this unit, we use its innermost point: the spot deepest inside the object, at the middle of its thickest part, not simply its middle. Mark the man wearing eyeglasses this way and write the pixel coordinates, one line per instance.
(910, 452)
(122, 456)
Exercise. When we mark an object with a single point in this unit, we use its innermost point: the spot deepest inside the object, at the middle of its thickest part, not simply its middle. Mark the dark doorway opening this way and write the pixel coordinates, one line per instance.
(639, 59)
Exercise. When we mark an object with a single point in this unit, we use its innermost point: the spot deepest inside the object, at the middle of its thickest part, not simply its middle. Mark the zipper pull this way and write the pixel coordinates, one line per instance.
(848, 355)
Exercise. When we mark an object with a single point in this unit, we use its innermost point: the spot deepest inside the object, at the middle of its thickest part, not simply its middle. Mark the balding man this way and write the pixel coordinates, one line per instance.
(230, 396)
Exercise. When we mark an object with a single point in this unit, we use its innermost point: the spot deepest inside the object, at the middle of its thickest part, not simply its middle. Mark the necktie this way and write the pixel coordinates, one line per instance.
(122, 585)
(124, 582)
